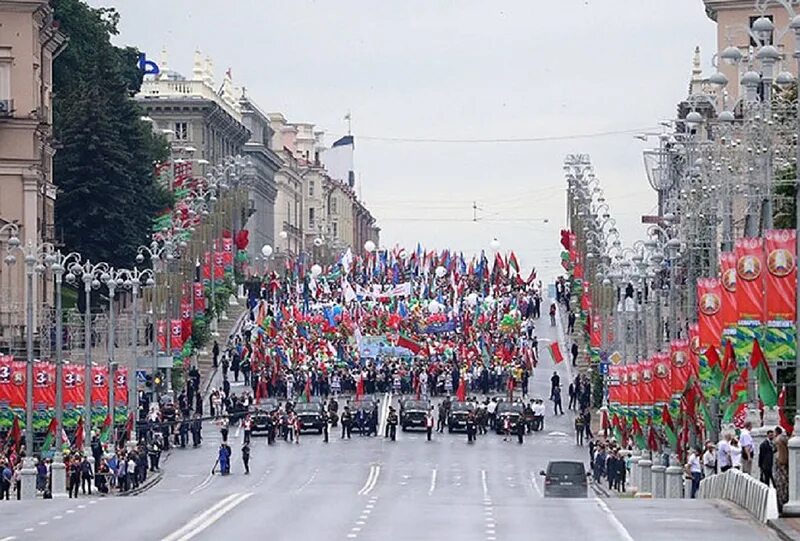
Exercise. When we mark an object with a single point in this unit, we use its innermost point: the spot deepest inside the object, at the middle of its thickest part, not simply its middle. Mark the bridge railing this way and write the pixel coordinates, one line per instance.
(744, 490)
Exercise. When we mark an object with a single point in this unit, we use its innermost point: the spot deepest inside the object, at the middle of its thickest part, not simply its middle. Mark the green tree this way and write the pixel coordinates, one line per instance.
(104, 168)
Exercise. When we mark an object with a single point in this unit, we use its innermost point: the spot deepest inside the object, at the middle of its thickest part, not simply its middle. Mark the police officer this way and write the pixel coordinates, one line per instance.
(347, 421)
(391, 423)
(471, 426)
(521, 431)
(246, 456)
(325, 425)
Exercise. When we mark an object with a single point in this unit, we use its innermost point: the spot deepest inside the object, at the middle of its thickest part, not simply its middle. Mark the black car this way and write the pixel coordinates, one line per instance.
(457, 419)
(261, 421)
(565, 479)
(513, 411)
(310, 415)
(413, 413)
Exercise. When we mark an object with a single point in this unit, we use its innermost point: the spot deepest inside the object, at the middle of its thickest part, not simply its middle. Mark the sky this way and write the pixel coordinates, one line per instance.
(456, 70)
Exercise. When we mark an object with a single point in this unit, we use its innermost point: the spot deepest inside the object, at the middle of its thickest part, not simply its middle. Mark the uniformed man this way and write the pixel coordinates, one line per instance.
(429, 423)
(391, 423)
(246, 456)
(324, 425)
(471, 426)
(347, 421)
(521, 432)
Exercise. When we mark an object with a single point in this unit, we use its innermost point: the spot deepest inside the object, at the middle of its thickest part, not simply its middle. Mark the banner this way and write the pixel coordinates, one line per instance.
(186, 317)
(227, 253)
(198, 299)
(99, 394)
(73, 394)
(781, 295)
(634, 385)
(44, 393)
(613, 383)
(662, 378)
(709, 302)
(121, 395)
(750, 279)
(161, 333)
(646, 382)
(436, 328)
(624, 386)
(176, 335)
(681, 366)
(378, 293)
(727, 275)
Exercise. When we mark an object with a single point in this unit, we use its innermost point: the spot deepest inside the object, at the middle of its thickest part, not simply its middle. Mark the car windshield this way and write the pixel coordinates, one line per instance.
(566, 468)
(416, 405)
(506, 407)
(307, 408)
(462, 407)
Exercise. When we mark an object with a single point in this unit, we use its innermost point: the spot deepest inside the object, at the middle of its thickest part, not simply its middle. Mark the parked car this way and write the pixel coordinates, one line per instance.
(413, 413)
(565, 479)
(457, 419)
(310, 415)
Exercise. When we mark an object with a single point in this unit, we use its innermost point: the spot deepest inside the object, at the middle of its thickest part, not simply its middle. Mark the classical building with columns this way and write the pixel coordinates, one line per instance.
(29, 41)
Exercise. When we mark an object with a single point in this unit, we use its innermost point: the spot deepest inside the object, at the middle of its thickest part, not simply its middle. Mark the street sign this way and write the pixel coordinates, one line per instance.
(141, 377)
(603, 369)
(615, 358)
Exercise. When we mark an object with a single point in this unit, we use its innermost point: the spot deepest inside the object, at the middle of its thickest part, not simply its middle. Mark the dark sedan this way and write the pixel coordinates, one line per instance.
(457, 419)
(513, 412)
(310, 415)
(413, 413)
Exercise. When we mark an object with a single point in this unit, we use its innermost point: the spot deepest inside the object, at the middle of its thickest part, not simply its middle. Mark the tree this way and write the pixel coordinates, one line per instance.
(104, 169)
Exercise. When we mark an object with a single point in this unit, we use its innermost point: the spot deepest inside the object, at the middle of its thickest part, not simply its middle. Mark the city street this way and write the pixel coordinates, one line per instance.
(372, 488)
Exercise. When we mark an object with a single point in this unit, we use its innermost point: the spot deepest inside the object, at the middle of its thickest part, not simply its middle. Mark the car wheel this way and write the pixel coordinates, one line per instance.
(404, 428)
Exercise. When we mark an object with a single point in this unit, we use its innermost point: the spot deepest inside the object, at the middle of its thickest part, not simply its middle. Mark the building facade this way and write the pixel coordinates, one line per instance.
(735, 20)
(29, 41)
(289, 199)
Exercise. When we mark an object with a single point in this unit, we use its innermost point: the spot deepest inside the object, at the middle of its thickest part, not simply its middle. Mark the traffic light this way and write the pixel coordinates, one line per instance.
(148, 381)
(157, 381)
(565, 241)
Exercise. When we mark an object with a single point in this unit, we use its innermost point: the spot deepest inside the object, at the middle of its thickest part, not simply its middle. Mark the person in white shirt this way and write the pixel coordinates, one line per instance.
(736, 454)
(748, 448)
(695, 469)
(709, 460)
(724, 453)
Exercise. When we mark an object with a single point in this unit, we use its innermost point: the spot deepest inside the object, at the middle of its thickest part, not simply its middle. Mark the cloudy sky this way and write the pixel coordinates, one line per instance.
(455, 70)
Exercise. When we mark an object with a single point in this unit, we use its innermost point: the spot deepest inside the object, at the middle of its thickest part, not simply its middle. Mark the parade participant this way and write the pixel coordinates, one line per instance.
(429, 423)
(471, 427)
(557, 408)
(391, 423)
(520, 432)
(197, 427)
(246, 457)
(222, 422)
(324, 425)
(347, 419)
(247, 424)
(579, 430)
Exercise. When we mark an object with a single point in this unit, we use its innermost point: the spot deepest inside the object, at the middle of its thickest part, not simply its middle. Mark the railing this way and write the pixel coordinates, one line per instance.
(186, 89)
(744, 490)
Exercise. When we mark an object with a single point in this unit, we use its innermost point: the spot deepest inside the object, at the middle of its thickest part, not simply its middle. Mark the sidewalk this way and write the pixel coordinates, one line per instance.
(787, 529)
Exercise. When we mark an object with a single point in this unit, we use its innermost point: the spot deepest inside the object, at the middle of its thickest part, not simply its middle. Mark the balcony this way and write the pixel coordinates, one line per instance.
(155, 88)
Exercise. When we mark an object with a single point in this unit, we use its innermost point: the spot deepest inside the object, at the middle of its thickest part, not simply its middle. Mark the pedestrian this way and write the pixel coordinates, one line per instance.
(724, 453)
(7, 474)
(555, 382)
(347, 420)
(571, 393)
(558, 409)
(579, 430)
(748, 447)
(780, 471)
(709, 460)
(87, 475)
(391, 423)
(325, 425)
(520, 432)
(766, 454)
(571, 322)
(695, 470)
(429, 423)
(574, 352)
(215, 354)
(246, 457)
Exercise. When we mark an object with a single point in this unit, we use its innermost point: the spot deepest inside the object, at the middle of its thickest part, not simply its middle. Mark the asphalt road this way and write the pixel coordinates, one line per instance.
(374, 489)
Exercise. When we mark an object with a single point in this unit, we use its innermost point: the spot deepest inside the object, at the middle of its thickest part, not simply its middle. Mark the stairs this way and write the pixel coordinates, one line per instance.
(225, 327)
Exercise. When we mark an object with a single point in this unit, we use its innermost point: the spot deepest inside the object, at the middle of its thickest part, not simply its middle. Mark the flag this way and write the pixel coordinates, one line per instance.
(532, 276)
(404, 342)
(461, 392)
(513, 263)
(728, 367)
(712, 356)
(766, 386)
(555, 351)
(652, 440)
(360, 387)
(50, 437)
(105, 430)
(638, 435)
(79, 434)
(738, 397)
(669, 427)
(15, 434)
(617, 429)
(308, 389)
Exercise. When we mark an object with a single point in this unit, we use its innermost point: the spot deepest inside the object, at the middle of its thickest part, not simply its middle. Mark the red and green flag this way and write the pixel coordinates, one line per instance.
(766, 386)
(50, 437)
(555, 351)
(738, 397)
(15, 434)
(669, 427)
(638, 435)
(728, 369)
(652, 440)
(404, 341)
(105, 430)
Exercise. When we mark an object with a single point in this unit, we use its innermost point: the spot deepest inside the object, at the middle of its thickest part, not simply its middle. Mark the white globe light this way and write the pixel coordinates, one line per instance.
(284, 235)
(434, 307)
(369, 246)
(316, 270)
(266, 250)
(317, 241)
(494, 244)
(440, 271)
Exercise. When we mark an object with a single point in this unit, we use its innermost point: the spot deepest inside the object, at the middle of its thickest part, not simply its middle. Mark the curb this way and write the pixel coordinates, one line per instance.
(149, 483)
(601, 491)
(784, 532)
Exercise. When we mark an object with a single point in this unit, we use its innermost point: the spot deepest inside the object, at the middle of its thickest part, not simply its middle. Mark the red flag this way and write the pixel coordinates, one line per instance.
(79, 436)
(405, 342)
(555, 351)
(360, 387)
(713, 357)
(15, 434)
(652, 440)
(461, 392)
(129, 426)
(532, 275)
(308, 389)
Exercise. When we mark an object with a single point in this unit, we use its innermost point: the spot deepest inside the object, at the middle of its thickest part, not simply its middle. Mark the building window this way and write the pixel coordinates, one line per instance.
(5, 80)
(311, 217)
(334, 206)
(310, 188)
(335, 230)
(181, 131)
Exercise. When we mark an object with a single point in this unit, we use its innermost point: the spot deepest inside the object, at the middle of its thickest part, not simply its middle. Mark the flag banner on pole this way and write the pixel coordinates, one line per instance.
(766, 385)
(646, 382)
(634, 387)
(73, 394)
(662, 378)
(161, 334)
(227, 251)
(121, 394)
(44, 394)
(750, 279)
(681, 367)
(781, 293)
(555, 352)
(729, 314)
(50, 437)
(709, 302)
(176, 335)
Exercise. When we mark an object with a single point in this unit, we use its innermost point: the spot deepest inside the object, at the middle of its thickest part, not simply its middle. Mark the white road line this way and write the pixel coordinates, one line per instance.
(624, 535)
(207, 518)
(433, 482)
(9, 538)
(202, 485)
(384, 414)
(485, 484)
(238, 430)
(310, 480)
(371, 482)
(536, 486)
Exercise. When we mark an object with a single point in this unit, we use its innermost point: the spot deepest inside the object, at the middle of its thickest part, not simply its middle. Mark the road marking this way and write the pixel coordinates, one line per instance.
(43, 523)
(58, 517)
(202, 485)
(81, 506)
(536, 486)
(372, 480)
(9, 538)
(70, 511)
(28, 530)
(612, 518)
(207, 518)
(384, 414)
(485, 484)
(433, 482)
(238, 430)
(310, 480)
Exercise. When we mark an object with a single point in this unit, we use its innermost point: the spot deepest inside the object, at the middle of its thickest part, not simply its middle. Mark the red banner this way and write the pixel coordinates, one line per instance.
(680, 360)
(73, 386)
(198, 298)
(646, 382)
(227, 252)
(100, 386)
(695, 348)
(750, 279)
(727, 277)
(121, 386)
(634, 384)
(221, 264)
(662, 378)
(781, 275)
(176, 335)
(709, 303)
(161, 333)
(613, 383)
(12, 383)
(44, 385)
(624, 386)
(186, 317)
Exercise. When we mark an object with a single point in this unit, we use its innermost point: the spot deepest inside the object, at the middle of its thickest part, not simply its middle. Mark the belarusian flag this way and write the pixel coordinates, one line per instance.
(738, 397)
(105, 430)
(766, 386)
(669, 427)
(50, 437)
(79, 435)
(652, 440)
(783, 419)
(15, 434)
(555, 351)
(405, 342)
(512, 262)
(617, 429)
(729, 368)
(638, 436)
(714, 364)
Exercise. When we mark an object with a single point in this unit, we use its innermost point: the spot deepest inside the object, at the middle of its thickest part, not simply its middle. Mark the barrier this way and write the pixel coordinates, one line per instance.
(744, 490)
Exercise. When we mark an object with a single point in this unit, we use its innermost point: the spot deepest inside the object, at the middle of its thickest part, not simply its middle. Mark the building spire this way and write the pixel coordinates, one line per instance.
(696, 82)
